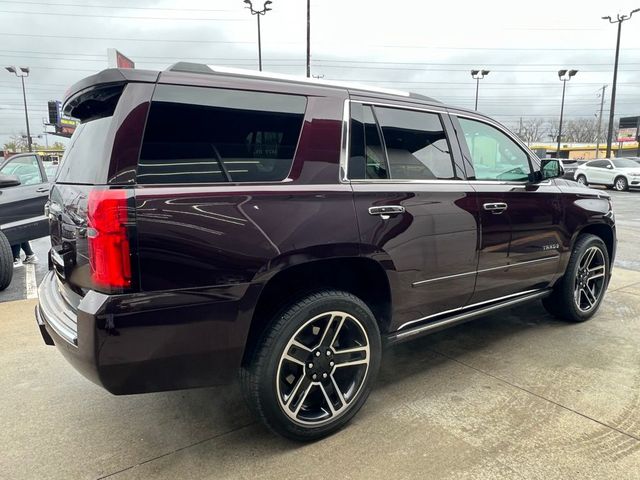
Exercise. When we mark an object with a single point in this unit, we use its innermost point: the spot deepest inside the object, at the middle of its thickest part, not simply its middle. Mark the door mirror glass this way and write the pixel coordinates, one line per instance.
(551, 168)
(9, 181)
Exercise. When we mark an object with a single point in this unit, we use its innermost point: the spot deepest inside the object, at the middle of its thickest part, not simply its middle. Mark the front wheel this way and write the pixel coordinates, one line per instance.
(578, 294)
(582, 180)
(621, 184)
(315, 365)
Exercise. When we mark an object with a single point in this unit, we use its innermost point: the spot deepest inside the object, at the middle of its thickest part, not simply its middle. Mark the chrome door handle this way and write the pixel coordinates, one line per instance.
(385, 211)
(495, 208)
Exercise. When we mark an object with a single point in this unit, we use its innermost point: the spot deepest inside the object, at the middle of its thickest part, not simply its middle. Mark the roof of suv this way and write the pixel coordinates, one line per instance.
(119, 75)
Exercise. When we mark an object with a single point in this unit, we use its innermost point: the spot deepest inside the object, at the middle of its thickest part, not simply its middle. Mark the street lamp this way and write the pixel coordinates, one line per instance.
(258, 14)
(23, 72)
(564, 76)
(478, 75)
(619, 20)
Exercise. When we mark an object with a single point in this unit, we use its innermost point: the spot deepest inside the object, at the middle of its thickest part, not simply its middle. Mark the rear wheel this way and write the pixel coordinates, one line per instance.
(578, 294)
(620, 184)
(315, 365)
(582, 179)
(6, 262)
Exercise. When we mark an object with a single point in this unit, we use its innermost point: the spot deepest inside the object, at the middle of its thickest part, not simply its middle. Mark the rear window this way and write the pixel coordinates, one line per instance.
(208, 135)
(83, 161)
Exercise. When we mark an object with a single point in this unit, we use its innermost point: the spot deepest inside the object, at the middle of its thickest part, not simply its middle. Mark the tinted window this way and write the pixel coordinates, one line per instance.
(598, 164)
(25, 168)
(417, 147)
(84, 160)
(202, 135)
(493, 154)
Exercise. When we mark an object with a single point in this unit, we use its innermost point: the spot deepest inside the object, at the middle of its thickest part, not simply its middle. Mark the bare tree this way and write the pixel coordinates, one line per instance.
(580, 130)
(532, 130)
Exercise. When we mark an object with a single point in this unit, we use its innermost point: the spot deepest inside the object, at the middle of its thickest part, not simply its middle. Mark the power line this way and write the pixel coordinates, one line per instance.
(119, 7)
(131, 39)
(101, 16)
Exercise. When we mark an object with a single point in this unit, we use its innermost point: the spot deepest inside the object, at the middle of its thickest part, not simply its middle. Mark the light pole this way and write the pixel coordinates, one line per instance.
(619, 20)
(23, 72)
(258, 14)
(564, 76)
(308, 38)
(478, 75)
(599, 134)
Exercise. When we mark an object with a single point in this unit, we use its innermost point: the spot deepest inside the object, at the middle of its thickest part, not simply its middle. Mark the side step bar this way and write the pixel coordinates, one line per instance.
(436, 325)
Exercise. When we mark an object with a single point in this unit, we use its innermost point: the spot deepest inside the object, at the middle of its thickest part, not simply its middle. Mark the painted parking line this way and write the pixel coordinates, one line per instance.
(31, 284)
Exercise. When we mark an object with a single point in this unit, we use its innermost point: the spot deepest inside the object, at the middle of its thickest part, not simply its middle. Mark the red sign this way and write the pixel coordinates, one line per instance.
(118, 60)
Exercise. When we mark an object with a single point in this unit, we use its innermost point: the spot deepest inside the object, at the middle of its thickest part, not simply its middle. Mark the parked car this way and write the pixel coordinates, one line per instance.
(569, 167)
(23, 193)
(617, 173)
(206, 222)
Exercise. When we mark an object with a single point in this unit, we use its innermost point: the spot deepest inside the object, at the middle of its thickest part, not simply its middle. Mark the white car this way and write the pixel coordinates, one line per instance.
(618, 173)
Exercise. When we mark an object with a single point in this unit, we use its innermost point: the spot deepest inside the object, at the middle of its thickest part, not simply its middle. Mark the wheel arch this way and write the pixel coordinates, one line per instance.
(602, 230)
(364, 277)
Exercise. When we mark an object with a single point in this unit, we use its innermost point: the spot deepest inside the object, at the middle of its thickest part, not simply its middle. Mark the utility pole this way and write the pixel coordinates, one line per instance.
(308, 38)
(612, 111)
(258, 14)
(564, 76)
(604, 87)
(478, 75)
(23, 72)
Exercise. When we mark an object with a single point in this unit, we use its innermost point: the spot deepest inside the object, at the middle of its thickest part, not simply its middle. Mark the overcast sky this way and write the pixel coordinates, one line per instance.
(426, 47)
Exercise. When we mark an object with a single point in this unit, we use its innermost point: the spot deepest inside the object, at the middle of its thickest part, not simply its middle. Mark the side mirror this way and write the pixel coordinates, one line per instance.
(551, 168)
(9, 181)
(609, 166)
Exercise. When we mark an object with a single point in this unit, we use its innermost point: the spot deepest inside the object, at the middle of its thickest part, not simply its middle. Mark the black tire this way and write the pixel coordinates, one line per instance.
(563, 302)
(582, 179)
(620, 184)
(269, 371)
(6, 262)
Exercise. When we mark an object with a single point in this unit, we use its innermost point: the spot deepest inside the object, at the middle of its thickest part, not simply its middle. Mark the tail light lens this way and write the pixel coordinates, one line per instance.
(109, 253)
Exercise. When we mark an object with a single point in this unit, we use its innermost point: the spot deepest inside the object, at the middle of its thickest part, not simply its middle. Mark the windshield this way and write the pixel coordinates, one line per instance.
(625, 163)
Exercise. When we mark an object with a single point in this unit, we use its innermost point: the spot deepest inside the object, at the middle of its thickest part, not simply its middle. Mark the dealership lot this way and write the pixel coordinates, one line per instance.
(516, 395)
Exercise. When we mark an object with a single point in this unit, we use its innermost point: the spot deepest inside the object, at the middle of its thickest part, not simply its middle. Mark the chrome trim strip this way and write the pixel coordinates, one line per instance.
(463, 317)
(344, 141)
(405, 325)
(502, 267)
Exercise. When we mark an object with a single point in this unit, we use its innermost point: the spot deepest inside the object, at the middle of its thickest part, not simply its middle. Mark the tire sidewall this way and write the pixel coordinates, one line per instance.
(293, 319)
(570, 276)
(615, 184)
(6, 262)
(584, 179)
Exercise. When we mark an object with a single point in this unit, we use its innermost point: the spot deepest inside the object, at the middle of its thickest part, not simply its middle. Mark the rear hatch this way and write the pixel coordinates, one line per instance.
(91, 214)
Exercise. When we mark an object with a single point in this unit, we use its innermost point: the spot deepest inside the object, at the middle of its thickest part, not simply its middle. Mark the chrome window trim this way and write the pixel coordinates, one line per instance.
(453, 310)
(483, 270)
(345, 140)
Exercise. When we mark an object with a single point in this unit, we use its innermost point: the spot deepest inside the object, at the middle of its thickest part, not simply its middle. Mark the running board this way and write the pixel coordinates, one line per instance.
(437, 325)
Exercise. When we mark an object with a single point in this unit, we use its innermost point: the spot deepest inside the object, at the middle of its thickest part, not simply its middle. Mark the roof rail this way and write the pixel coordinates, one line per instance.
(189, 67)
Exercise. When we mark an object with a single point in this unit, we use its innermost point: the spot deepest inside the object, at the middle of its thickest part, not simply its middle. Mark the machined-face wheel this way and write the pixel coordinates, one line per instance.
(322, 368)
(582, 179)
(590, 279)
(620, 184)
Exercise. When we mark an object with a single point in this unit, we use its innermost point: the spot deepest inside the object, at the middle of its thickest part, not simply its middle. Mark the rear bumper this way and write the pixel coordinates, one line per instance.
(146, 342)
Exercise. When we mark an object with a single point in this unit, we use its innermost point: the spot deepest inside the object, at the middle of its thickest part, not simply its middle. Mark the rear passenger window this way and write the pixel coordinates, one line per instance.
(203, 135)
(416, 144)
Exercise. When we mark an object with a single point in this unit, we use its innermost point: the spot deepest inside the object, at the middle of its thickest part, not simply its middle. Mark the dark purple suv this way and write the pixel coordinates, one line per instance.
(207, 222)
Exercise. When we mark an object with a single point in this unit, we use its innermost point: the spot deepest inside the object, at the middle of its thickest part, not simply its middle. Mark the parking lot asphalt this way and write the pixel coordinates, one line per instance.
(513, 395)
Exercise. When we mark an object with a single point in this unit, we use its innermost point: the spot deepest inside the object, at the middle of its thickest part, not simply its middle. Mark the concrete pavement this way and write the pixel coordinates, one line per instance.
(515, 395)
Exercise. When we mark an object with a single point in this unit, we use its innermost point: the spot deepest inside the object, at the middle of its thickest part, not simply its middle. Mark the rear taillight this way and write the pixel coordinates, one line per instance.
(109, 253)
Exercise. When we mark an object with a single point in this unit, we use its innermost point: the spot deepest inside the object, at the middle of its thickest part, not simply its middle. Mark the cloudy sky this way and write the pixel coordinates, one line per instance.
(426, 47)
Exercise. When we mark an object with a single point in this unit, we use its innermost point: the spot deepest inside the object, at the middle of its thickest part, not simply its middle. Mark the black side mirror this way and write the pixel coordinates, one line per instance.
(9, 181)
(551, 168)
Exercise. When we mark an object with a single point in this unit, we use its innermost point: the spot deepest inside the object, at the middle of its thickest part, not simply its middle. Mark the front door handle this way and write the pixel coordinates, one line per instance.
(495, 208)
(385, 211)
(42, 189)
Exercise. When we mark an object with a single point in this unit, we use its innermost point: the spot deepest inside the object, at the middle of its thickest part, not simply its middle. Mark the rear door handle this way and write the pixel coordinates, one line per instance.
(495, 208)
(385, 211)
